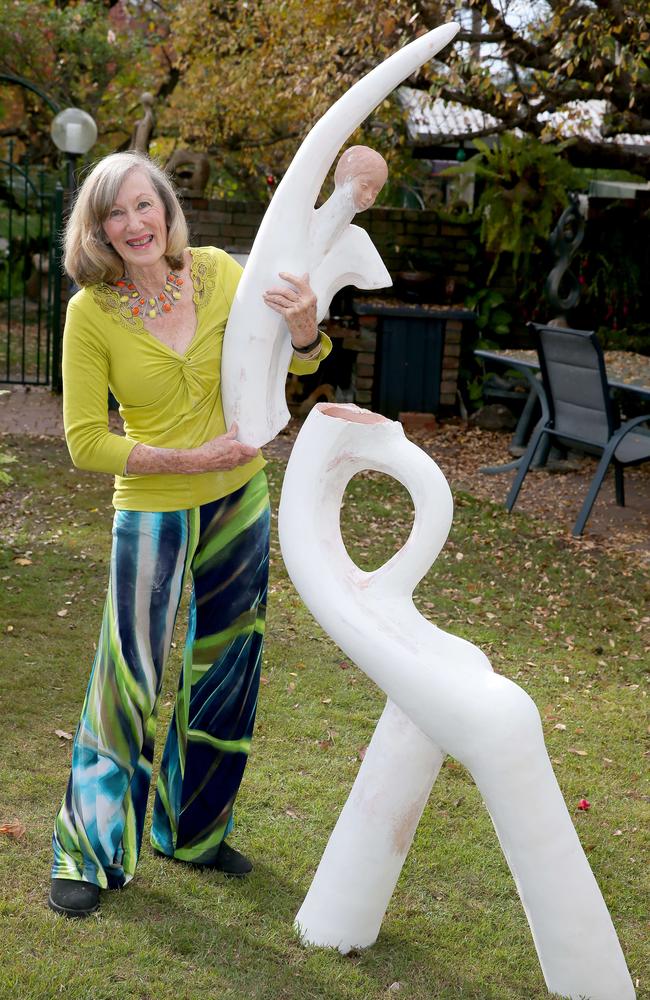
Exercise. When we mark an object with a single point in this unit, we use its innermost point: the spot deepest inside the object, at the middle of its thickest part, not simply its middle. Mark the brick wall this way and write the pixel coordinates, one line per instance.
(404, 237)
(231, 225)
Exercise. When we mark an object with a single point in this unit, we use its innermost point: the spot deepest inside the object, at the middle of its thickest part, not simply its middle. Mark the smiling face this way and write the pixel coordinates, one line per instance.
(136, 225)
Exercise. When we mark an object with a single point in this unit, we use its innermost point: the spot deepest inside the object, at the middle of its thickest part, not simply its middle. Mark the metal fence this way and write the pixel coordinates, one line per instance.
(31, 209)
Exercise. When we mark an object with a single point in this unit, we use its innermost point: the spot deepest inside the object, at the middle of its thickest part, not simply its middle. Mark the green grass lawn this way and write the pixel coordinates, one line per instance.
(568, 623)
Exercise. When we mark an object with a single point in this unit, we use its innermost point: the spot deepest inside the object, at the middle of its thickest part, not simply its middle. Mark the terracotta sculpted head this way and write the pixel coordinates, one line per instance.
(366, 170)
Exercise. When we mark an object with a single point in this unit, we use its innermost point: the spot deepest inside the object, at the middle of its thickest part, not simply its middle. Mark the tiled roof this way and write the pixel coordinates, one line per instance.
(437, 122)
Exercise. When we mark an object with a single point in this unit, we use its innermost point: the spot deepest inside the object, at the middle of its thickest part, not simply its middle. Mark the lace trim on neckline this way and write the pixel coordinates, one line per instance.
(203, 278)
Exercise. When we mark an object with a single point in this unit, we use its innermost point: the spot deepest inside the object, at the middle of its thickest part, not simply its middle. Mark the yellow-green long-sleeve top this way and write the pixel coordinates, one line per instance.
(166, 400)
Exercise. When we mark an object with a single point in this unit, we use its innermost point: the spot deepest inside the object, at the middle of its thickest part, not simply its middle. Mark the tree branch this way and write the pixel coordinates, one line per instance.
(536, 56)
(583, 152)
(237, 144)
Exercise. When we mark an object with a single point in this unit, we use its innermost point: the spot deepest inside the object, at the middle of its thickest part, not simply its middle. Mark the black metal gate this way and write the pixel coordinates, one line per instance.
(31, 209)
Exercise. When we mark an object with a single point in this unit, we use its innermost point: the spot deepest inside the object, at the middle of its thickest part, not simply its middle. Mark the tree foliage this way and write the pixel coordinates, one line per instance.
(256, 75)
(246, 79)
(83, 54)
(556, 54)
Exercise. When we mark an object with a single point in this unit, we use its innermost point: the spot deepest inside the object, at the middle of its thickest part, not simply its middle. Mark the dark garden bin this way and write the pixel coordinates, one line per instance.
(418, 350)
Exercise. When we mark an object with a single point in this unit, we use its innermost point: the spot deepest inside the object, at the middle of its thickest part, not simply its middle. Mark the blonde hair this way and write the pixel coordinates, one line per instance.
(88, 258)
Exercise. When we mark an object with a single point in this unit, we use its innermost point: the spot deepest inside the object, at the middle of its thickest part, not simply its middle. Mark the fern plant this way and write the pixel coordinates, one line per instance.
(525, 185)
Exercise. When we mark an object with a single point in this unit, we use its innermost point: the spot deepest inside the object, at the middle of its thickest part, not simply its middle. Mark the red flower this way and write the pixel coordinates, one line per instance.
(584, 805)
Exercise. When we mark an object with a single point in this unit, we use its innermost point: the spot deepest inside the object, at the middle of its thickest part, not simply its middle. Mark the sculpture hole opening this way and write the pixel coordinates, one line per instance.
(376, 519)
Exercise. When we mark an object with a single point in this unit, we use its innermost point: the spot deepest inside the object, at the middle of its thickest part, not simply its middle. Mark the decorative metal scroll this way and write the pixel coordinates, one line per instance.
(564, 242)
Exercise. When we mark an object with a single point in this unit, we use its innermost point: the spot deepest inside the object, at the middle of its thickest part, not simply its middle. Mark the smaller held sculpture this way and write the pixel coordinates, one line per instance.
(295, 237)
(335, 254)
(443, 698)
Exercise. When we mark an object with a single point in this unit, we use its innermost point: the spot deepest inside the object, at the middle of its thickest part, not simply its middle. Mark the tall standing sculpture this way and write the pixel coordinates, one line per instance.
(444, 698)
(294, 235)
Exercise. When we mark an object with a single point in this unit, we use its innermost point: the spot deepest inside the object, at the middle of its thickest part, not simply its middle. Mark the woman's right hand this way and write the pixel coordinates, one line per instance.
(224, 452)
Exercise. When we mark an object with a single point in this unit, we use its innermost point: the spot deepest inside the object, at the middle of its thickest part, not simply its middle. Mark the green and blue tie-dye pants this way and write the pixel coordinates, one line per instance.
(223, 547)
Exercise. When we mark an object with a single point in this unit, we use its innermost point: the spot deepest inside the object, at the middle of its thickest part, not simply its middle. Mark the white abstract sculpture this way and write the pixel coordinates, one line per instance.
(443, 698)
(295, 237)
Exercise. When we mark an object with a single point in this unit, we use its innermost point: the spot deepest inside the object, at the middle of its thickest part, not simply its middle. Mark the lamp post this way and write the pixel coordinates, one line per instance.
(74, 132)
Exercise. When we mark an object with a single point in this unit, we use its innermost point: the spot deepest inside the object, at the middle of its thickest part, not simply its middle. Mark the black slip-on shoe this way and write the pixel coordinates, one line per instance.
(72, 898)
(228, 860)
(232, 862)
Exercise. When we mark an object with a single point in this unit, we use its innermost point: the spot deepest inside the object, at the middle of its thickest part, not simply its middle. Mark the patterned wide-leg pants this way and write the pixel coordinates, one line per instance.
(224, 547)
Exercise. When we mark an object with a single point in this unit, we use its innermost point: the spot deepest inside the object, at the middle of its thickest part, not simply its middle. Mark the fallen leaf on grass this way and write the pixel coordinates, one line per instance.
(327, 701)
(15, 829)
(62, 613)
(264, 680)
(22, 561)
(560, 726)
(578, 753)
(62, 734)
(361, 752)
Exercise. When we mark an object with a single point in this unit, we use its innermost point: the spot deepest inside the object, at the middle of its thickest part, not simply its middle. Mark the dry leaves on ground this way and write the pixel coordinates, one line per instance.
(15, 829)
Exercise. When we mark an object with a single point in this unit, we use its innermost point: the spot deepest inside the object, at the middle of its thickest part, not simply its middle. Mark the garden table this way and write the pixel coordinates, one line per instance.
(626, 372)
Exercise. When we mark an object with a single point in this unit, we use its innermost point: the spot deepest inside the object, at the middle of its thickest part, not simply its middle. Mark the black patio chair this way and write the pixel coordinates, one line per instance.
(581, 413)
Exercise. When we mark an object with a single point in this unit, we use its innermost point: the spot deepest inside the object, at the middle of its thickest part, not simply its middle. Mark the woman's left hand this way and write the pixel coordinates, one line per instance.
(296, 302)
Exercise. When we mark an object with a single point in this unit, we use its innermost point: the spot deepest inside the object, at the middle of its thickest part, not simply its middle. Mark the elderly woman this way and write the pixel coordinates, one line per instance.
(190, 502)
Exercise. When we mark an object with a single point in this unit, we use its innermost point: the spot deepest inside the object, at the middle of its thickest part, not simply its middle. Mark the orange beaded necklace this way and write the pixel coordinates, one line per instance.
(142, 305)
